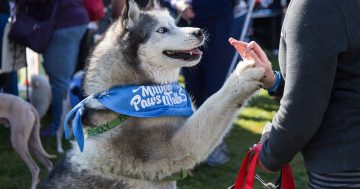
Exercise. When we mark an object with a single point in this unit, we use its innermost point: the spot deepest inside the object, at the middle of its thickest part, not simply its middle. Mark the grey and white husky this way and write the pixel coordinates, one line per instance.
(146, 47)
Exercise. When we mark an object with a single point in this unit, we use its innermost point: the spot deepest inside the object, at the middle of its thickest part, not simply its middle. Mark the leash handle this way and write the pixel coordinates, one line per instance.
(246, 175)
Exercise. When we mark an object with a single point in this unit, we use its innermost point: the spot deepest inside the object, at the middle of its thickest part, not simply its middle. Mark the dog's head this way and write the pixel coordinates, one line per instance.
(143, 46)
(152, 37)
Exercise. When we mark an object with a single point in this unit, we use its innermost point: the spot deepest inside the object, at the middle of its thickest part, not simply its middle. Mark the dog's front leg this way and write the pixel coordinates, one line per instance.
(204, 130)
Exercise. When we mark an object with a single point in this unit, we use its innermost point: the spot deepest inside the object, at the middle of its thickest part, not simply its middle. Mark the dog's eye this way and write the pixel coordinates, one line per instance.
(162, 30)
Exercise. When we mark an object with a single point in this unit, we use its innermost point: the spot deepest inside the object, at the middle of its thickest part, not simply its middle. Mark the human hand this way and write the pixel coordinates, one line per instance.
(253, 52)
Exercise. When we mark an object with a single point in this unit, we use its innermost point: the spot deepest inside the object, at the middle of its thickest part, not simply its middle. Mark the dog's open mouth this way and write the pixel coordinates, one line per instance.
(187, 55)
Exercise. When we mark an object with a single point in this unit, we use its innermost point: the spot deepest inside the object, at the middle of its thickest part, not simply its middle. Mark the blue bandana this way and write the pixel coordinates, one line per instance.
(136, 101)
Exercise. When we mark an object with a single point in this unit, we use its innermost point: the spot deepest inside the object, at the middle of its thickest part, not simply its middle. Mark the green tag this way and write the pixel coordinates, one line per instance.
(107, 126)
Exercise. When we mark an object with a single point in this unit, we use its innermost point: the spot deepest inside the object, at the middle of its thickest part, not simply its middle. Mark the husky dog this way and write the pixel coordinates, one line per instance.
(146, 47)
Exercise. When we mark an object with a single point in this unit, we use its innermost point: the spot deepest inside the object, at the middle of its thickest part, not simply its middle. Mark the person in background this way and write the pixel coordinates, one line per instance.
(8, 81)
(216, 18)
(61, 56)
(319, 112)
(96, 12)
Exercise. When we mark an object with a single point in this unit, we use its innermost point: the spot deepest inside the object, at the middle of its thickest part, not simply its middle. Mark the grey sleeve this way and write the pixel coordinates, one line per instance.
(314, 35)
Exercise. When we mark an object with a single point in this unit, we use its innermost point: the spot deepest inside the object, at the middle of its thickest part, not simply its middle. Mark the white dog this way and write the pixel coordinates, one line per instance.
(144, 49)
(24, 122)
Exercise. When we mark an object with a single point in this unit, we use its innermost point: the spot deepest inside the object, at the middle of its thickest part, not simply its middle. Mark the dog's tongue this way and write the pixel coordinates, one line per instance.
(195, 51)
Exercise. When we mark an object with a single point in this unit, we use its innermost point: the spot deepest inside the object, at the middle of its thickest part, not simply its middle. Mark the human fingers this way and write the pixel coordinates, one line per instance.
(269, 78)
(258, 60)
(258, 50)
(253, 56)
(239, 46)
(237, 42)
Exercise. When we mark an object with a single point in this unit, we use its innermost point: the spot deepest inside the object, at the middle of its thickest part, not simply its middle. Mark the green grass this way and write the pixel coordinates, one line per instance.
(14, 174)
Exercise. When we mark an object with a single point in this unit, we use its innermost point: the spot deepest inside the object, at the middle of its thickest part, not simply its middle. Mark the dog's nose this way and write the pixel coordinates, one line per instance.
(198, 33)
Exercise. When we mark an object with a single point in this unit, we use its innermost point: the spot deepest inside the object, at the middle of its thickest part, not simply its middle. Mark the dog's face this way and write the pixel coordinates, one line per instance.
(158, 40)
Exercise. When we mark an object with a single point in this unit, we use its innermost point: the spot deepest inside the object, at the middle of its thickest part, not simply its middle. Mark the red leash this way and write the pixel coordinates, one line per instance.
(246, 175)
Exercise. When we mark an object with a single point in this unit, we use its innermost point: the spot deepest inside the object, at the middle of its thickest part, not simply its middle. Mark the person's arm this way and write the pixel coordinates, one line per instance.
(314, 35)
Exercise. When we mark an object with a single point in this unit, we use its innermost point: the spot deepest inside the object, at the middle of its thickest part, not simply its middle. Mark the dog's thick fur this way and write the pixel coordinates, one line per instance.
(132, 52)
(24, 122)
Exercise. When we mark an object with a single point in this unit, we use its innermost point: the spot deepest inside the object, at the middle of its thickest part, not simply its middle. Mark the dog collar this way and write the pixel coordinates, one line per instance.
(105, 127)
(136, 101)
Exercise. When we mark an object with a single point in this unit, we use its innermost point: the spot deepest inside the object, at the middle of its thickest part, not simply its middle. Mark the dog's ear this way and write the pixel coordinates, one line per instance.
(153, 5)
(131, 13)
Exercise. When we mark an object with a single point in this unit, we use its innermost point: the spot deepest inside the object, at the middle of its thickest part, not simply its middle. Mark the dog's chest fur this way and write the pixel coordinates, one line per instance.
(106, 161)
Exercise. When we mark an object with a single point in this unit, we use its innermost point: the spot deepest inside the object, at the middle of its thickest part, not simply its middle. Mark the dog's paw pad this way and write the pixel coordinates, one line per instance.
(251, 74)
(243, 66)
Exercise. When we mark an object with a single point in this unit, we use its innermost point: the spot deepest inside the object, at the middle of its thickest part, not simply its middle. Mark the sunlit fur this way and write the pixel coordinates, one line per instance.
(131, 53)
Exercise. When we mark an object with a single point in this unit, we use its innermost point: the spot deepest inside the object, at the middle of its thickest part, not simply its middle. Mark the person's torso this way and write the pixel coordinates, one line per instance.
(341, 122)
(71, 13)
(339, 132)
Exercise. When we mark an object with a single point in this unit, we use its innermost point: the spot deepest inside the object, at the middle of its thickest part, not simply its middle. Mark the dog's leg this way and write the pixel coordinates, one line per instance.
(59, 135)
(60, 131)
(36, 145)
(203, 131)
(36, 149)
(19, 142)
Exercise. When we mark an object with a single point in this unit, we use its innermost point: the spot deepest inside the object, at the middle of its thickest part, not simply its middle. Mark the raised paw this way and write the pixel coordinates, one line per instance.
(246, 71)
(246, 79)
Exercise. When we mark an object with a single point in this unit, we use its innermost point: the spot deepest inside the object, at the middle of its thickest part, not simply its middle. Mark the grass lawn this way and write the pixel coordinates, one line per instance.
(14, 174)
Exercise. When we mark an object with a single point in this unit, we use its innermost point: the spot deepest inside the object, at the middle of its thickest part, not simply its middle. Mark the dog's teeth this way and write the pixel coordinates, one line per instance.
(190, 52)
